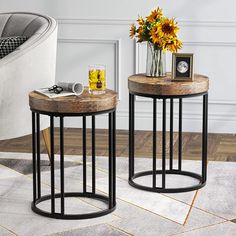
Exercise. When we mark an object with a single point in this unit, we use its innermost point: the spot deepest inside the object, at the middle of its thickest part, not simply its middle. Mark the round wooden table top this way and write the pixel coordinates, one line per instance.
(164, 86)
(84, 103)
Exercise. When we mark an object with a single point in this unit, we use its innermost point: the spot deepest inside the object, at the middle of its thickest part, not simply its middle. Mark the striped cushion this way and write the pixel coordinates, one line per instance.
(9, 44)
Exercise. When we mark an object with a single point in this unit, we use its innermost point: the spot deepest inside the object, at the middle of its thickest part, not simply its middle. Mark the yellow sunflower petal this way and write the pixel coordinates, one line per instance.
(141, 21)
(132, 31)
(156, 14)
(167, 27)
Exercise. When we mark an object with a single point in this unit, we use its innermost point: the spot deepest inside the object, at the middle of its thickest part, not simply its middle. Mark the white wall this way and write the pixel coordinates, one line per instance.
(93, 32)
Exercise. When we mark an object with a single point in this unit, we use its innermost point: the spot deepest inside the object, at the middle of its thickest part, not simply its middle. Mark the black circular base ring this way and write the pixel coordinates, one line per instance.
(73, 216)
(168, 190)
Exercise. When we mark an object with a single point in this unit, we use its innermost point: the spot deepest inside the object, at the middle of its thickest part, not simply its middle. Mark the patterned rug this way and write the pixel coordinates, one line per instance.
(209, 211)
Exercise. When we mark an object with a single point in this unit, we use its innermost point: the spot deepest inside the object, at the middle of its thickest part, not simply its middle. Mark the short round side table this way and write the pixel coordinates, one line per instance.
(165, 89)
(82, 106)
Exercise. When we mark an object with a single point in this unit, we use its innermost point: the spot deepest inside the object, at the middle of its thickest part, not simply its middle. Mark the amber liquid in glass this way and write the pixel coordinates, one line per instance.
(97, 79)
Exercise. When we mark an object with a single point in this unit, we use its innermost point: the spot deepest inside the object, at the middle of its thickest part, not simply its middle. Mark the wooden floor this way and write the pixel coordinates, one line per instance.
(222, 147)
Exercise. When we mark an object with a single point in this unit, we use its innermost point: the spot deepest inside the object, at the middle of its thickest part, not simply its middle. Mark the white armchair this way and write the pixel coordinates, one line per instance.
(30, 66)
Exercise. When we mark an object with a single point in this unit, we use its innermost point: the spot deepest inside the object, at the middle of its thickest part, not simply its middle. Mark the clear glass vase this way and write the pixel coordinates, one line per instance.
(156, 61)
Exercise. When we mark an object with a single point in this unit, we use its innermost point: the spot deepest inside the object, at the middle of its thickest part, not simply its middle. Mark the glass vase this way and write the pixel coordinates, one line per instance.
(156, 61)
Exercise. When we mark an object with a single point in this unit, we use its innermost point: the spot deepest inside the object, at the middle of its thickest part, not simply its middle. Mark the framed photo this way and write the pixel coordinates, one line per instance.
(182, 66)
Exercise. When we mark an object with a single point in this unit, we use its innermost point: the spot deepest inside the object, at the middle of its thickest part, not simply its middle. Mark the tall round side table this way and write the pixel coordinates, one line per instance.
(167, 90)
(82, 106)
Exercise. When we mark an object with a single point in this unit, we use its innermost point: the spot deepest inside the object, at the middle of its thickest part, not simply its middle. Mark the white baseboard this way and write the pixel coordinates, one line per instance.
(143, 121)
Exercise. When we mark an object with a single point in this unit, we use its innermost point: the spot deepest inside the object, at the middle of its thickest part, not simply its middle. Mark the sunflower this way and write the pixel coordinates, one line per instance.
(171, 45)
(157, 29)
(141, 21)
(167, 28)
(154, 34)
(140, 32)
(155, 15)
(132, 31)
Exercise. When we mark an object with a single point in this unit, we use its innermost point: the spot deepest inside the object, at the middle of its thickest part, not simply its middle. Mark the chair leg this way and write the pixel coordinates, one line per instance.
(46, 138)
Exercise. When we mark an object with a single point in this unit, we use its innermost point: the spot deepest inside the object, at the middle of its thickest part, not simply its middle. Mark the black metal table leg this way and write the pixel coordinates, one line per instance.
(204, 137)
(38, 156)
(131, 135)
(34, 158)
(171, 171)
(114, 159)
(62, 164)
(84, 156)
(154, 150)
(180, 136)
(109, 199)
(52, 165)
(164, 144)
(110, 160)
(93, 156)
(171, 132)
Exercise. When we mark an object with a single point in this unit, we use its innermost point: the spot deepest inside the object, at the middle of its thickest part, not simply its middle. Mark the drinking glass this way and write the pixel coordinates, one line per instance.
(97, 79)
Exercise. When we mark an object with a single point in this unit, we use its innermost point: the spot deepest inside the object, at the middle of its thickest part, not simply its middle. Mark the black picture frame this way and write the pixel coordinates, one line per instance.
(182, 67)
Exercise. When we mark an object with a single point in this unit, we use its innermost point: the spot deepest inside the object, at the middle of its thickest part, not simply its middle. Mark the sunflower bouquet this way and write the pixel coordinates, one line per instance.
(161, 34)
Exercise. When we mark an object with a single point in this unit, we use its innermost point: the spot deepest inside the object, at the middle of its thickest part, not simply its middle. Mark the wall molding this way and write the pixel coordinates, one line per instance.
(94, 21)
(186, 115)
(192, 122)
(194, 101)
(212, 24)
(210, 44)
(117, 49)
(182, 22)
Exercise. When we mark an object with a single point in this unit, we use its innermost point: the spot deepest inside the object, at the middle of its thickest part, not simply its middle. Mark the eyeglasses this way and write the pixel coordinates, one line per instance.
(55, 89)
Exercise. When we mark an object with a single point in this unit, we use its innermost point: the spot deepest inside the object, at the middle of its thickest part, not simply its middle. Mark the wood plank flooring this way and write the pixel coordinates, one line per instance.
(221, 147)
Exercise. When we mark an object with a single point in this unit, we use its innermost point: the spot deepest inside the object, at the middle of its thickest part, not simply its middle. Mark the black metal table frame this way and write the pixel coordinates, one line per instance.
(178, 171)
(110, 200)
